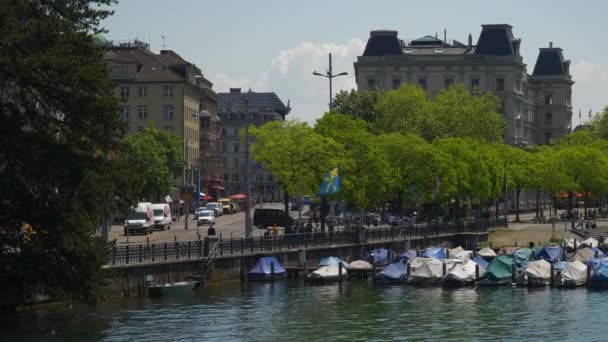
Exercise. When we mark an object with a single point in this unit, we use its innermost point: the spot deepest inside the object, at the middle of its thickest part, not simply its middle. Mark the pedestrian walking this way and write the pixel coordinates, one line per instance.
(275, 231)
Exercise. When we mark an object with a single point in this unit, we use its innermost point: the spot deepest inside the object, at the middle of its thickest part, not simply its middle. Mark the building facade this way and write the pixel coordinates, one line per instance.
(536, 107)
(233, 108)
(167, 92)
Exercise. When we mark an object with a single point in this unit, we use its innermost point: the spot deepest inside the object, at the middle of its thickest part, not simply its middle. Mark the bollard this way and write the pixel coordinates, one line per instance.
(447, 253)
(408, 270)
(596, 254)
(476, 272)
(242, 271)
(272, 271)
(552, 275)
(445, 267)
(305, 268)
(147, 240)
(340, 272)
(513, 273)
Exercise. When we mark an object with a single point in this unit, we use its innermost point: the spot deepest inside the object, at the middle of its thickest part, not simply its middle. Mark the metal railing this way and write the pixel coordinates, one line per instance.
(208, 249)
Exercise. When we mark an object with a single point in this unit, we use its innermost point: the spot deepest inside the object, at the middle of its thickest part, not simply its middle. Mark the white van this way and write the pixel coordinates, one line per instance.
(162, 216)
(140, 219)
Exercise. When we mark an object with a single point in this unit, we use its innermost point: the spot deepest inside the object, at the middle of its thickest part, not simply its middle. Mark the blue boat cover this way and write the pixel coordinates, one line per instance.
(599, 251)
(395, 271)
(262, 268)
(560, 265)
(521, 256)
(434, 252)
(551, 254)
(409, 255)
(332, 261)
(595, 262)
(600, 273)
(382, 256)
(481, 262)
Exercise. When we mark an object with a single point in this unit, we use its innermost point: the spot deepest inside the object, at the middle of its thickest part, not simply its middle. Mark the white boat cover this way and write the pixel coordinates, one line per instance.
(360, 265)
(456, 250)
(430, 271)
(590, 242)
(462, 273)
(583, 255)
(537, 273)
(464, 255)
(327, 272)
(486, 252)
(416, 263)
(570, 242)
(574, 274)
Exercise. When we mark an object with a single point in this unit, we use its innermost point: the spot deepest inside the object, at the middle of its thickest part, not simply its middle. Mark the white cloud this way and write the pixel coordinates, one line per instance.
(289, 75)
(590, 88)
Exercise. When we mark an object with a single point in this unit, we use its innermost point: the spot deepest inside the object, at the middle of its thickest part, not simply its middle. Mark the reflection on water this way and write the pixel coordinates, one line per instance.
(354, 311)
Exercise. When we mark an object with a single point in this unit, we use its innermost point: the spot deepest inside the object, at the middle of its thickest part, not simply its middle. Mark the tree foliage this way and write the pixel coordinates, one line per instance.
(58, 115)
(360, 104)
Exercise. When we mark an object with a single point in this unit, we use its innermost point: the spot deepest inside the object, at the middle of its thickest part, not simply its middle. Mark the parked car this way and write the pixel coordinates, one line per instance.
(162, 216)
(199, 210)
(263, 218)
(206, 217)
(216, 208)
(226, 206)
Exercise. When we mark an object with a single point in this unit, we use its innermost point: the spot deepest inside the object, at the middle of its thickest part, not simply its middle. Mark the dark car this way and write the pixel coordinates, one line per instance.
(263, 218)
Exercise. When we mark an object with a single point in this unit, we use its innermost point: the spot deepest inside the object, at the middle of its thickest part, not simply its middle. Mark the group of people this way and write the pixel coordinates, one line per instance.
(271, 232)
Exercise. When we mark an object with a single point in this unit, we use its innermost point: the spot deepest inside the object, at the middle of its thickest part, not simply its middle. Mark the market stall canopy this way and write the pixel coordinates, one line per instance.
(238, 196)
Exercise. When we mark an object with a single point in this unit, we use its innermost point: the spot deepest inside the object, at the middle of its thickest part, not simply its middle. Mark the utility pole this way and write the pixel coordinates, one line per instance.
(248, 223)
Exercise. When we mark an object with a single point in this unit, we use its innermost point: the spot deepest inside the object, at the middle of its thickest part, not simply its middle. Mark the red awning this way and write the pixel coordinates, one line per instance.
(238, 196)
(207, 198)
(218, 187)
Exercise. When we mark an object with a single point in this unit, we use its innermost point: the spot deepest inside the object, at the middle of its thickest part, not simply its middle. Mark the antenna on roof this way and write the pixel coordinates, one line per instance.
(163, 46)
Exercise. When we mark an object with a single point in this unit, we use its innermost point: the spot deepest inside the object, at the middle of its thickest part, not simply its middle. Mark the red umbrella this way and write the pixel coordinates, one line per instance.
(238, 196)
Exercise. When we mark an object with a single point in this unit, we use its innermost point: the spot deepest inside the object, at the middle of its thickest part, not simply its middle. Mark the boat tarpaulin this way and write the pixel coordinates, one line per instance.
(574, 274)
(382, 256)
(521, 256)
(409, 255)
(360, 265)
(434, 252)
(429, 271)
(332, 260)
(462, 273)
(537, 273)
(487, 252)
(583, 255)
(481, 261)
(590, 242)
(262, 268)
(395, 271)
(499, 269)
(600, 273)
(551, 254)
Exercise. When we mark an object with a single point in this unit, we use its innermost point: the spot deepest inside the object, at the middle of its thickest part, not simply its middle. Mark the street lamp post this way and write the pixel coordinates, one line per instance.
(248, 223)
(330, 76)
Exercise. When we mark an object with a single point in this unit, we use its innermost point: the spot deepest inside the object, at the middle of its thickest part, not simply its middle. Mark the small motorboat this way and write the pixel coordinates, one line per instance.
(264, 268)
(498, 272)
(327, 274)
(359, 269)
(538, 273)
(395, 273)
(425, 271)
(574, 274)
(171, 289)
(462, 274)
(486, 253)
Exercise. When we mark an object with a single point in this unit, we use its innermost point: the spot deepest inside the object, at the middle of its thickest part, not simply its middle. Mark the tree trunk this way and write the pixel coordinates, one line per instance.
(497, 204)
(538, 205)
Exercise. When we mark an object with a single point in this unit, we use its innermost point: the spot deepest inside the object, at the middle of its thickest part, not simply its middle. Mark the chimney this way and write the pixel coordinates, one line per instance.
(550, 45)
(470, 41)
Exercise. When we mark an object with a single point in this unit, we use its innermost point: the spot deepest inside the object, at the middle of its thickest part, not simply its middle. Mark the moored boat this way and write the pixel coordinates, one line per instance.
(263, 269)
(425, 271)
(487, 253)
(332, 260)
(462, 274)
(574, 274)
(537, 273)
(327, 274)
(498, 272)
(395, 273)
(551, 254)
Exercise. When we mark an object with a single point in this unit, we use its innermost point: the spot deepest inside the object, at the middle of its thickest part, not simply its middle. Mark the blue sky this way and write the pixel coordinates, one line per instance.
(270, 45)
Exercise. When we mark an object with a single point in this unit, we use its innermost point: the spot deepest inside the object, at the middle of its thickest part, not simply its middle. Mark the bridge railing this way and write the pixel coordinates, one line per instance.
(200, 249)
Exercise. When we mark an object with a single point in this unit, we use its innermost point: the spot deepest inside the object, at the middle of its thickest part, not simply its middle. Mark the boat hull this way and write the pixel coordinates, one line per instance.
(172, 288)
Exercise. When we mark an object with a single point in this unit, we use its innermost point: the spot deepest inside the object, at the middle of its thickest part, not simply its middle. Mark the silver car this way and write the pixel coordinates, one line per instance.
(205, 217)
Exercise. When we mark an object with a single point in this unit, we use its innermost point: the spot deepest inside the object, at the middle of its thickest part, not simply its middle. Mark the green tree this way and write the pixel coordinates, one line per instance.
(157, 154)
(359, 104)
(600, 124)
(58, 115)
(519, 163)
(295, 154)
(362, 169)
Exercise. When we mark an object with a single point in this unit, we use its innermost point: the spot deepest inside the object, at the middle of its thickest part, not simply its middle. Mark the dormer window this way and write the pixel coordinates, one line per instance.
(439, 51)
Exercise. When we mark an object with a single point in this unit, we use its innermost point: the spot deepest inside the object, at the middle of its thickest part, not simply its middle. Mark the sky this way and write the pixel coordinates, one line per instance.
(272, 45)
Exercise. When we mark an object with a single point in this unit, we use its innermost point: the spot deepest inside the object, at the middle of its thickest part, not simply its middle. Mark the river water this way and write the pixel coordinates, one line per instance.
(354, 311)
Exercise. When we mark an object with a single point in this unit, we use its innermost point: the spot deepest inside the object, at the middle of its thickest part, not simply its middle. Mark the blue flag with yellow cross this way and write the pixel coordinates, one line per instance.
(331, 182)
